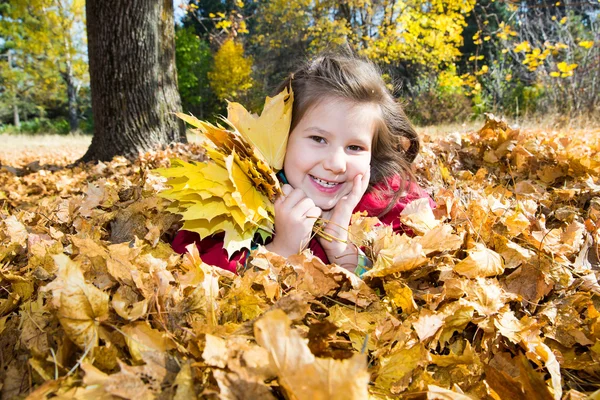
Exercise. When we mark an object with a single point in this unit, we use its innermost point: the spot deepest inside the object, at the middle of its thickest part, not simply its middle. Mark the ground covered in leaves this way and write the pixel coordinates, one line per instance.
(496, 297)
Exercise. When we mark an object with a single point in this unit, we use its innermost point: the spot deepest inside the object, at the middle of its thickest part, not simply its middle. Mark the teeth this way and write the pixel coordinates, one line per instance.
(324, 183)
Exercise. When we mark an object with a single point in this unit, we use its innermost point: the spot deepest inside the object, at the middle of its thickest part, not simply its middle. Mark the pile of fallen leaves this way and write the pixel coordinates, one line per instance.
(496, 296)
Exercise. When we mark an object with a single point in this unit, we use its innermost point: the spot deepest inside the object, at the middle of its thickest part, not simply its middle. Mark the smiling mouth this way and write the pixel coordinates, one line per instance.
(324, 183)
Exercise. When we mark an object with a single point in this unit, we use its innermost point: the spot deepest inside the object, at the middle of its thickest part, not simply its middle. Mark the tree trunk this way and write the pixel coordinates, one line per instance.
(131, 46)
(71, 97)
(16, 120)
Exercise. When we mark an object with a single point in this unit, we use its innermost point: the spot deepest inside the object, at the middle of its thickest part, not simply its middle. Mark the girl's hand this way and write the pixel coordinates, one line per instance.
(340, 251)
(295, 216)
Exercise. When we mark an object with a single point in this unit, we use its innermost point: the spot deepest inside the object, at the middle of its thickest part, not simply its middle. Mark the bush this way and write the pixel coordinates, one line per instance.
(59, 126)
(438, 98)
(429, 108)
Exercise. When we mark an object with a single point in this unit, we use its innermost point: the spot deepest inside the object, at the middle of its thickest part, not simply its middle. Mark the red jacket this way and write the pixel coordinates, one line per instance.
(212, 251)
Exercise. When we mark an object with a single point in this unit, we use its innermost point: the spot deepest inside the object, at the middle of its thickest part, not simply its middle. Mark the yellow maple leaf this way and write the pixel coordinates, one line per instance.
(321, 378)
(80, 306)
(481, 262)
(419, 216)
(16, 230)
(440, 238)
(125, 303)
(399, 253)
(401, 296)
(399, 364)
(141, 337)
(268, 132)
(428, 323)
(234, 191)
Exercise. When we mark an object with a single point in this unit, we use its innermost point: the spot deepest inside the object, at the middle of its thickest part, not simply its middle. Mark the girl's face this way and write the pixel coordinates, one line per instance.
(329, 146)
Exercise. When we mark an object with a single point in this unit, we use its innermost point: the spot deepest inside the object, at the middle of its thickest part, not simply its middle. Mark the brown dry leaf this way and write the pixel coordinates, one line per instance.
(438, 393)
(481, 262)
(363, 230)
(468, 357)
(246, 301)
(418, 215)
(93, 198)
(141, 337)
(516, 223)
(17, 232)
(559, 241)
(398, 366)
(80, 306)
(291, 358)
(514, 254)
(37, 328)
(504, 386)
(120, 262)
(124, 384)
(529, 281)
(401, 296)
(486, 296)
(313, 275)
(239, 386)
(397, 254)
(184, 383)
(457, 316)
(89, 247)
(509, 326)
(125, 303)
(428, 324)
(109, 221)
(549, 173)
(215, 351)
(440, 239)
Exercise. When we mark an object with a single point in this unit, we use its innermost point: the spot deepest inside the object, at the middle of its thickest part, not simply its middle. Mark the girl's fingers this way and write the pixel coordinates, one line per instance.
(287, 189)
(313, 213)
(293, 198)
(301, 209)
(365, 180)
(352, 199)
(358, 185)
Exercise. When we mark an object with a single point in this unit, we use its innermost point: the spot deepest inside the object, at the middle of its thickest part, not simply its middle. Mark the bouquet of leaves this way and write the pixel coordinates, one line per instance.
(235, 192)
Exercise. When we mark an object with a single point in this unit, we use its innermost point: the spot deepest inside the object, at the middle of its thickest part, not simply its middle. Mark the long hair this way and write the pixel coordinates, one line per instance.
(348, 77)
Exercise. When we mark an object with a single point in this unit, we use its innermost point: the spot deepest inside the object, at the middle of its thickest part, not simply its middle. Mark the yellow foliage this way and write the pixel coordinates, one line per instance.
(564, 70)
(523, 46)
(230, 76)
(385, 32)
(46, 41)
(505, 31)
(234, 193)
(275, 119)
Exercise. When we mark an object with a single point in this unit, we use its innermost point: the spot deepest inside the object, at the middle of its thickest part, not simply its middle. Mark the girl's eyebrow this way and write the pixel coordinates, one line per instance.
(317, 129)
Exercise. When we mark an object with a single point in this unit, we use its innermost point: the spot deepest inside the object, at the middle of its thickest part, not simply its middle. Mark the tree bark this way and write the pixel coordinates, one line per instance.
(71, 97)
(16, 120)
(131, 46)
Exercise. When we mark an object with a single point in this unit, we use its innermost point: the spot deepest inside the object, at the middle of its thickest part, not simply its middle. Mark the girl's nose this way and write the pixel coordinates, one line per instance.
(336, 162)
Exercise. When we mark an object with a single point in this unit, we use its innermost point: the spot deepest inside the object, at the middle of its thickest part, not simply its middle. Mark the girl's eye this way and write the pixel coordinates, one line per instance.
(355, 148)
(318, 139)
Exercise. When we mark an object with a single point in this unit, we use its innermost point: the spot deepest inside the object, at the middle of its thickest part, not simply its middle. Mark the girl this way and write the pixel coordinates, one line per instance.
(350, 149)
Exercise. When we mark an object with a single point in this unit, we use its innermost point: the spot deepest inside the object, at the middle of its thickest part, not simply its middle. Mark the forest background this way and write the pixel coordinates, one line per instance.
(448, 60)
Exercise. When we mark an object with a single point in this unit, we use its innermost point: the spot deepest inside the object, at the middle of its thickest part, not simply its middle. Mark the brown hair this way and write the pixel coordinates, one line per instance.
(358, 80)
